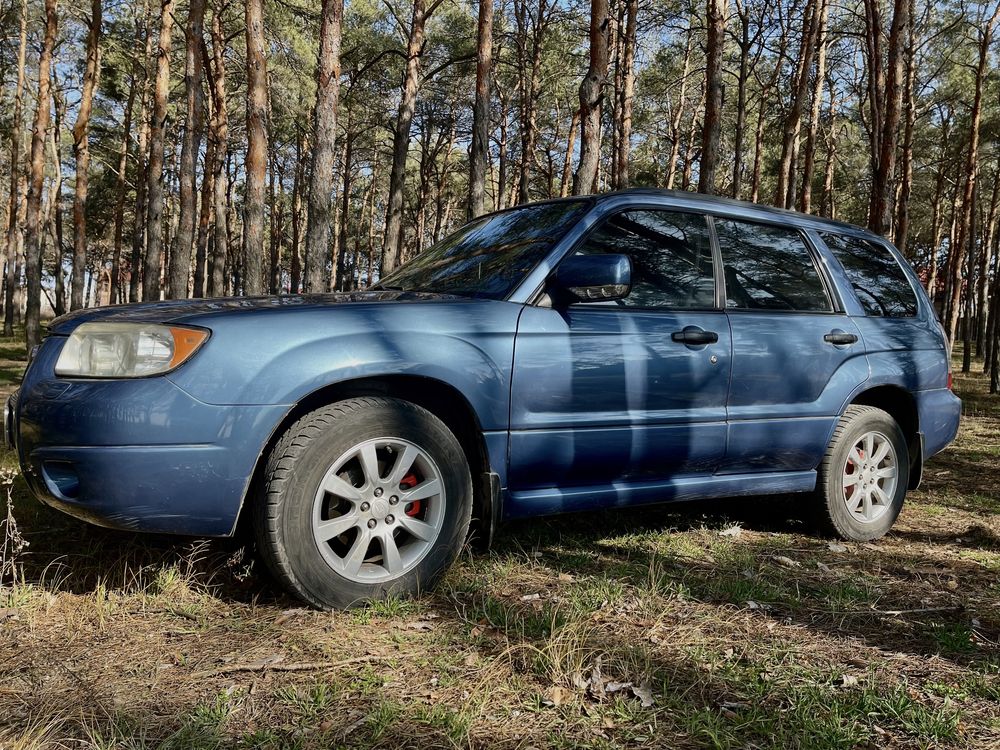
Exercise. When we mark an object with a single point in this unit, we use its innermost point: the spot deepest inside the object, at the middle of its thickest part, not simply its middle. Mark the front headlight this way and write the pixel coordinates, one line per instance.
(127, 350)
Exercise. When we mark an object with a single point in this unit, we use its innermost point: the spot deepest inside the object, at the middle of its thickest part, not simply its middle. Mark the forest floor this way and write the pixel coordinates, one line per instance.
(718, 625)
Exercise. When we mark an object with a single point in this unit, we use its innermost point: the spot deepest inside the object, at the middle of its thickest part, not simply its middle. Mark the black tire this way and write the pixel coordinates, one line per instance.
(832, 511)
(283, 514)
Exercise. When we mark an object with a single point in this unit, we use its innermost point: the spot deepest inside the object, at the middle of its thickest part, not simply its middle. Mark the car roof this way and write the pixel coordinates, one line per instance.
(751, 210)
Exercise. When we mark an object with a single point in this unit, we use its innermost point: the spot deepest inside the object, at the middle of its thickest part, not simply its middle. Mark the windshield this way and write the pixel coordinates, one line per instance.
(491, 256)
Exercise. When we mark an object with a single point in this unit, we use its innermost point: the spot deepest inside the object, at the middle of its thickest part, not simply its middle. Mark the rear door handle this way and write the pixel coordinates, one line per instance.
(694, 336)
(840, 338)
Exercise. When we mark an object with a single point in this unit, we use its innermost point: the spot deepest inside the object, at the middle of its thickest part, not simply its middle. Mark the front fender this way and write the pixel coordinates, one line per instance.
(281, 356)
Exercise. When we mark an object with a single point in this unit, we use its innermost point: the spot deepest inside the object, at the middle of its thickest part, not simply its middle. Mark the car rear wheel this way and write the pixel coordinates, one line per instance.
(863, 476)
(363, 499)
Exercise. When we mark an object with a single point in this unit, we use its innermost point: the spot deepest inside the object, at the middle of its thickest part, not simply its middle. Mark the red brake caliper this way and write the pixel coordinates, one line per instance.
(409, 482)
(854, 466)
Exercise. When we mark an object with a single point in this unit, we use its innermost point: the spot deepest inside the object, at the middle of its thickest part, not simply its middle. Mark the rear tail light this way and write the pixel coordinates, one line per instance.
(950, 377)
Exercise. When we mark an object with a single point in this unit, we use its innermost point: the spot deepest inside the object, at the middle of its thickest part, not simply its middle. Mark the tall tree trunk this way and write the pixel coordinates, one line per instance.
(879, 211)
(964, 236)
(529, 85)
(295, 266)
(936, 212)
(220, 140)
(627, 97)
(55, 209)
(204, 220)
(828, 207)
(675, 124)
(480, 149)
(256, 158)
(11, 279)
(319, 225)
(121, 191)
(591, 95)
(32, 228)
(340, 280)
(81, 152)
(901, 235)
(739, 133)
(157, 146)
(141, 169)
(712, 121)
(793, 118)
(393, 245)
(809, 158)
(982, 278)
(180, 254)
(567, 171)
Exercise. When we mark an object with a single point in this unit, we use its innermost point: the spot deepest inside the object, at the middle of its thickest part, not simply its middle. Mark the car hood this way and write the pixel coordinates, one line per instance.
(172, 311)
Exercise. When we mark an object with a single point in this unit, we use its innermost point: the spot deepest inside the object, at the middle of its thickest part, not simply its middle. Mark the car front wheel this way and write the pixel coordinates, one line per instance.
(363, 499)
(864, 475)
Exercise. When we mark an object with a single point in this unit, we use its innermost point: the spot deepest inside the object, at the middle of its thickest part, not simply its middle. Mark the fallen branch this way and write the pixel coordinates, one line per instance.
(270, 665)
(921, 611)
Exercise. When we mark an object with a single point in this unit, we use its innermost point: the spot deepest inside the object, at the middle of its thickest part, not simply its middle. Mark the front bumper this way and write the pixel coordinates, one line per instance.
(134, 454)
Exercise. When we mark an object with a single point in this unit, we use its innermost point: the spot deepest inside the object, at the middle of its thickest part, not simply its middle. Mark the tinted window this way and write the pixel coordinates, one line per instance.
(769, 268)
(671, 257)
(489, 257)
(879, 282)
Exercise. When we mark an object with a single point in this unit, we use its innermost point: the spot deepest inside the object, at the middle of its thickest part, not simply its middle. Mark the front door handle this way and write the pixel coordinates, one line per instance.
(694, 336)
(840, 338)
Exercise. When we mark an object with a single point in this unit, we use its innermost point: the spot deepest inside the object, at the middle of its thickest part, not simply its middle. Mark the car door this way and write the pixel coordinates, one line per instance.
(613, 395)
(796, 355)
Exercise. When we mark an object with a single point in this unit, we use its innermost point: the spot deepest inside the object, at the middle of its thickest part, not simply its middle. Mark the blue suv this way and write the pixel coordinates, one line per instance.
(636, 347)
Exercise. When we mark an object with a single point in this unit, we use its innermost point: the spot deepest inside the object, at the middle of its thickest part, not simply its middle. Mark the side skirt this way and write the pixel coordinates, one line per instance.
(552, 500)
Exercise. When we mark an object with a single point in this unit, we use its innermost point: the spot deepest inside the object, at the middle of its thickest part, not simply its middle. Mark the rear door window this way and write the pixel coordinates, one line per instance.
(769, 268)
(877, 279)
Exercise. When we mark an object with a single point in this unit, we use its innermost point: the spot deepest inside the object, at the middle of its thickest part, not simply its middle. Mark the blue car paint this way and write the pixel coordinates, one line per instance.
(581, 407)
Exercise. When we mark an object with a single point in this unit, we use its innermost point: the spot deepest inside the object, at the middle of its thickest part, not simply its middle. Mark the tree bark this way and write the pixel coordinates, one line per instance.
(157, 146)
(141, 170)
(32, 228)
(880, 208)
(591, 95)
(739, 134)
(627, 97)
(121, 190)
(393, 245)
(529, 85)
(793, 118)
(220, 141)
(295, 265)
(11, 279)
(809, 158)
(319, 227)
(55, 207)
(712, 121)
(675, 124)
(81, 152)
(256, 157)
(180, 254)
(480, 148)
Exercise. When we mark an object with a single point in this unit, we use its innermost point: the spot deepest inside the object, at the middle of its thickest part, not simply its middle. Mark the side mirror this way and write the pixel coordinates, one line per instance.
(592, 278)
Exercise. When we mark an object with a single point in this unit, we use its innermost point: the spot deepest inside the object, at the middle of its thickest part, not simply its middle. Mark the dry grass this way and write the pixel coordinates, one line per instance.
(763, 638)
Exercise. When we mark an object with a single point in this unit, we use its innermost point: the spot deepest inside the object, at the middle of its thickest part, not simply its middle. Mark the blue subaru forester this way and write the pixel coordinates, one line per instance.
(635, 347)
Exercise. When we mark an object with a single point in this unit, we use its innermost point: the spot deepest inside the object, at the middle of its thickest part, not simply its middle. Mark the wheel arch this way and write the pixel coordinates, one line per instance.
(443, 400)
(902, 407)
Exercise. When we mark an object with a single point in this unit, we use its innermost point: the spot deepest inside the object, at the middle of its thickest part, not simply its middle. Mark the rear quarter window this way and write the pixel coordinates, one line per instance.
(876, 277)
